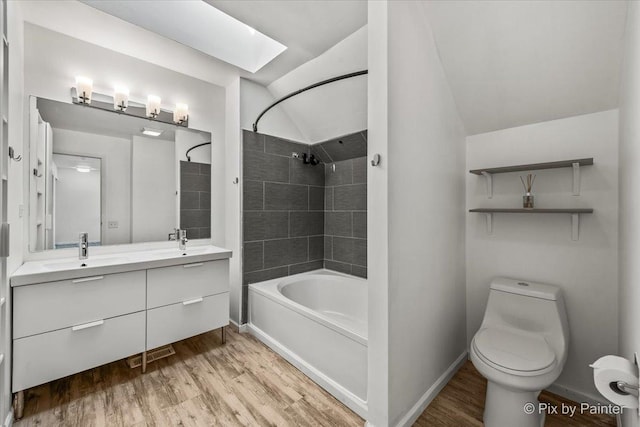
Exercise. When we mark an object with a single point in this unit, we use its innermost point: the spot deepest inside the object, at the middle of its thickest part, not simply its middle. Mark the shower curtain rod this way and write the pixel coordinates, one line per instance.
(324, 82)
(195, 146)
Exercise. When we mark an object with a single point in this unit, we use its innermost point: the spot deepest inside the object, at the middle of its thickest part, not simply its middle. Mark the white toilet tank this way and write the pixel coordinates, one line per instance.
(528, 306)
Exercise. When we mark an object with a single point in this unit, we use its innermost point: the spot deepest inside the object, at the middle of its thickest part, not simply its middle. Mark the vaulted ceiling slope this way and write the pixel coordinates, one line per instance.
(307, 28)
(511, 63)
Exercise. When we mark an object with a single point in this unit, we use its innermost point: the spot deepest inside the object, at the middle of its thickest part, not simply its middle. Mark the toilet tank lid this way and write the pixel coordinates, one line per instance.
(526, 288)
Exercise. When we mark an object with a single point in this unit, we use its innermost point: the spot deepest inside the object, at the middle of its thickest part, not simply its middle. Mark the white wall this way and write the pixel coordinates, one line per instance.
(539, 247)
(84, 22)
(18, 174)
(77, 205)
(153, 189)
(629, 176)
(233, 211)
(116, 167)
(18, 179)
(333, 110)
(53, 59)
(253, 99)
(378, 216)
(426, 218)
(421, 139)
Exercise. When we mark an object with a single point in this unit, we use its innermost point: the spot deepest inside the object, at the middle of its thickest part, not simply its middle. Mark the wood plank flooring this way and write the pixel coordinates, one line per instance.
(239, 383)
(206, 383)
(461, 403)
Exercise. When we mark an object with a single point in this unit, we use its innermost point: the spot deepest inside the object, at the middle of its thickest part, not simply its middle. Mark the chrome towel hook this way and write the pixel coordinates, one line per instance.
(12, 155)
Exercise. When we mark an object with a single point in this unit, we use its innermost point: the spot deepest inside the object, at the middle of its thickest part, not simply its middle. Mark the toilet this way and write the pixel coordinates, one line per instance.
(520, 348)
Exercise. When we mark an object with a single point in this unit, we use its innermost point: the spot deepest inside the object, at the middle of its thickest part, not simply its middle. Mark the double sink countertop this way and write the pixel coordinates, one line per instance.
(50, 270)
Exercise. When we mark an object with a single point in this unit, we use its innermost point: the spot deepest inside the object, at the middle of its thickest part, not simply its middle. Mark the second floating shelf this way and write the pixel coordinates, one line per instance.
(535, 210)
(574, 212)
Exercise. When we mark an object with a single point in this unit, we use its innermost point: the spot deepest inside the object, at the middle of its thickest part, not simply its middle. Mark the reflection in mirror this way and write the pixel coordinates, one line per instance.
(75, 198)
(138, 187)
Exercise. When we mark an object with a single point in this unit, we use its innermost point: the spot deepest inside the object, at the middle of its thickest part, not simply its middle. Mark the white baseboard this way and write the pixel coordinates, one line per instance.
(243, 328)
(576, 396)
(8, 422)
(410, 417)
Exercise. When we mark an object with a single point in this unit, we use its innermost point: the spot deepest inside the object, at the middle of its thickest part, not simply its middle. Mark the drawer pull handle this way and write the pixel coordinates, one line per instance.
(193, 301)
(193, 265)
(87, 325)
(87, 279)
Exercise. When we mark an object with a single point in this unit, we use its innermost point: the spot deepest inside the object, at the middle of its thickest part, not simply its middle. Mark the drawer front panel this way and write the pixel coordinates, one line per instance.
(55, 305)
(170, 285)
(42, 358)
(183, 320)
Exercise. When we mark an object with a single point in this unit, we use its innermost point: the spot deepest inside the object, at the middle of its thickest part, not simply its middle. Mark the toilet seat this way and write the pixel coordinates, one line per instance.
(513, 351)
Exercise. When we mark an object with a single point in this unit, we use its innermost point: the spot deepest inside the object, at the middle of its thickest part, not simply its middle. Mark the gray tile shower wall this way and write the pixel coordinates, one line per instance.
(283, 210)
(195, 199)
(298, 217)
(345, 216)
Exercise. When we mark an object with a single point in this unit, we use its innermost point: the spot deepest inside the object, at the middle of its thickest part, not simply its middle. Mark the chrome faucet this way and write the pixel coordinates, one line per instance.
(83, 246)
(182, 239)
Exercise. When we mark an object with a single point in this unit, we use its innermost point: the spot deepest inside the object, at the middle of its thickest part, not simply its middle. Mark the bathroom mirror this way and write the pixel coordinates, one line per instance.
(122, 179)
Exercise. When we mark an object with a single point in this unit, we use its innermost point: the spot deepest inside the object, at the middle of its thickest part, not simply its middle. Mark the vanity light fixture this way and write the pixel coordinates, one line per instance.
(84, 87)
(83, 169)
(181, 114)
(121, 98)
(120, 102)
(153, 106)
(151, 132)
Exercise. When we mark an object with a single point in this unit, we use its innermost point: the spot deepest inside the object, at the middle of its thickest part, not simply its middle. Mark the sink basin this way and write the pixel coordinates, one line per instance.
(67, 265)
(177, 252)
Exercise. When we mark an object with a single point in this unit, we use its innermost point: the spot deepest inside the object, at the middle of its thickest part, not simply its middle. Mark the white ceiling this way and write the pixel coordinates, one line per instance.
(307, 28)
(511, 63)
(198, 25)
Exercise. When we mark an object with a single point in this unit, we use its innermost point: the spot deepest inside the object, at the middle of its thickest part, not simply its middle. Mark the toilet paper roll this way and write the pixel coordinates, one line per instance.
(607, 371)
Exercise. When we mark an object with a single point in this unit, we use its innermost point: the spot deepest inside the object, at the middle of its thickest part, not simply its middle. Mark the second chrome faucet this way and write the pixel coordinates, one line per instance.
(181, 237)
(83, 246)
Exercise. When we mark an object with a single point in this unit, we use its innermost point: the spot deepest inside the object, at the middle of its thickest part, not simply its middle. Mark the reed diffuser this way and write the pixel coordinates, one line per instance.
(527, 199)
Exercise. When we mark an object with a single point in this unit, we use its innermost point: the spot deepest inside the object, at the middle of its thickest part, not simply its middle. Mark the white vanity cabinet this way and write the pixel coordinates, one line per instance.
(66, 326)
(200, 300)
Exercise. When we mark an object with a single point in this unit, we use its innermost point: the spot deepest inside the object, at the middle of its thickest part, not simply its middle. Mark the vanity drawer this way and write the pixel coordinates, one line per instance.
(169, 285)
(42, 358)
(176, 322)
(49, 306)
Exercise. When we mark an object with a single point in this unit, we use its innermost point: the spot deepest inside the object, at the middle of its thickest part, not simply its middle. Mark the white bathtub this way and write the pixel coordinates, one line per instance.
(318, 322)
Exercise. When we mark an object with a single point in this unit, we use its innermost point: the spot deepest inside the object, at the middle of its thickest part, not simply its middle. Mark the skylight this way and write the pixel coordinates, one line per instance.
(199, 25)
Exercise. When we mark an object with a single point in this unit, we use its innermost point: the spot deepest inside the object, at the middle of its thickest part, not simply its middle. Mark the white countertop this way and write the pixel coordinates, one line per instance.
(49, 270)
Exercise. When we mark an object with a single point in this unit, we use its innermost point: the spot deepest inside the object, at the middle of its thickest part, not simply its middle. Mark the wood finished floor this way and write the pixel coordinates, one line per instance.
(206, 383)
(241, 382)
(461, 403)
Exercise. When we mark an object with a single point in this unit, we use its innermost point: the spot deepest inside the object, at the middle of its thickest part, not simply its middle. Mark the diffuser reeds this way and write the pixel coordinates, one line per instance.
(528, 185)
(527, 199)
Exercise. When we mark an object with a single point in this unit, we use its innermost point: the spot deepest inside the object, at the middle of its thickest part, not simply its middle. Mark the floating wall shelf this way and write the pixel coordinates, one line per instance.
(574, 212)
(573, 163)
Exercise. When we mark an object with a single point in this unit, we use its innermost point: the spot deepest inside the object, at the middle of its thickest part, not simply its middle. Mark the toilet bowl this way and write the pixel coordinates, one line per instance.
(520, 348)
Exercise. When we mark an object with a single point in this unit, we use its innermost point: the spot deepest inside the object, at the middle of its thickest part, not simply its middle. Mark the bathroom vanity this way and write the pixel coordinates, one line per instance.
(68, 318)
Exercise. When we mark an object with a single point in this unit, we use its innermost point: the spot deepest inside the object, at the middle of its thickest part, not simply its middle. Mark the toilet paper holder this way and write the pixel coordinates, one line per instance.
(621, 387)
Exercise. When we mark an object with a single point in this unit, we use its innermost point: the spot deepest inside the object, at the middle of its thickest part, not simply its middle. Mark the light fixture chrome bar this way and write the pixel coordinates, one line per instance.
(134, 109)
